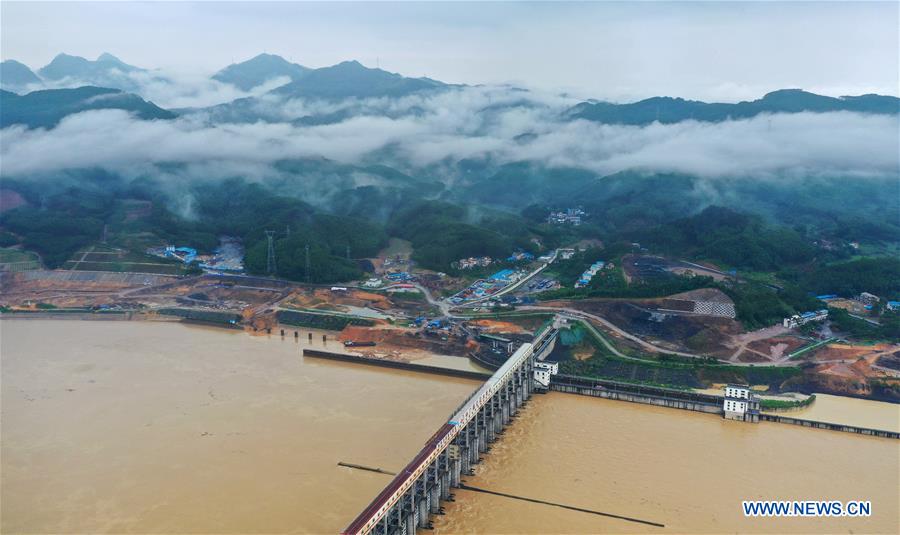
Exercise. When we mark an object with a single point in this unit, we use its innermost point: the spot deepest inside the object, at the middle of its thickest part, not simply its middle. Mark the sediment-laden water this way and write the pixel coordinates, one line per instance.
(689, 471)
(167, 428)
(155, 427)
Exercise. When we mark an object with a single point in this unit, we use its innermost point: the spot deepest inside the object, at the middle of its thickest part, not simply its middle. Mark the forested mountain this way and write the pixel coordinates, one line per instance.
(15, 76)
(457, 170)
(733, 239)
(673, 110)
(45, 108)
(106, 71)
(258, 70)
(351, 79)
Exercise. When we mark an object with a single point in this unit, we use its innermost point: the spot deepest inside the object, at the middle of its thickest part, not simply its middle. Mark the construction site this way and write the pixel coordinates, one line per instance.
(686, 340)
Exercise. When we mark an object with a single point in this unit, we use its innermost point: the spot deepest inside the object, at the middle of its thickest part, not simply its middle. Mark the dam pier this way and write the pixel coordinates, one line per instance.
(416, 492)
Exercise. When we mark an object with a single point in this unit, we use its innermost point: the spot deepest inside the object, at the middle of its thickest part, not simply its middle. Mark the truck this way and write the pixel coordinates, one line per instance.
(353, 343)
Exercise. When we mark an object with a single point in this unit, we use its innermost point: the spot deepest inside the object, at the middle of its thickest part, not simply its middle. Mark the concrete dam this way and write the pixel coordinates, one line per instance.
(415, 493)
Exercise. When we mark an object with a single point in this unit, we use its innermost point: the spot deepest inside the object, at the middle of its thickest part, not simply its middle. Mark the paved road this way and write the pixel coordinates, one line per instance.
(440, 303)
(606, 323)
(579, 314)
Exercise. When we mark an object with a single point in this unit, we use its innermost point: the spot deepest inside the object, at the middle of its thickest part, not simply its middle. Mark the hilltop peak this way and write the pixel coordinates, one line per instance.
(790, 92)
(352, 79)
(259, 69)
(107, 57)
(265, 56)
(672, 110)
(16, 76)
(106, 71)
(351, 63)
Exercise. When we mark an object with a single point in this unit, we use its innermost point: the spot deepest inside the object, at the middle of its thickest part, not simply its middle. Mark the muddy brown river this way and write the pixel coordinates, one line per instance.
(144, 427)
(686, 470)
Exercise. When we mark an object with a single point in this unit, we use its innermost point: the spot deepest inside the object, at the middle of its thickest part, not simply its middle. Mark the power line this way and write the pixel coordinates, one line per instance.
(270, 257)
(307, 263)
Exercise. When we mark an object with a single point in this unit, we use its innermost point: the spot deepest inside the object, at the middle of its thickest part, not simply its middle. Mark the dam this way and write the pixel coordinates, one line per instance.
(128, 408)
(416, 492)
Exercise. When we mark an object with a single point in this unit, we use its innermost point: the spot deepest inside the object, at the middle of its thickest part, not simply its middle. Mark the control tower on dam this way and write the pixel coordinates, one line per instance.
(415, 493)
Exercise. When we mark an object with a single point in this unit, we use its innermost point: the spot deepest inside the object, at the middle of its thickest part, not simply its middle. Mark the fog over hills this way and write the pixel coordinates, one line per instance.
(352, 132)
(45, 108)
(16, 76)
(673, 110)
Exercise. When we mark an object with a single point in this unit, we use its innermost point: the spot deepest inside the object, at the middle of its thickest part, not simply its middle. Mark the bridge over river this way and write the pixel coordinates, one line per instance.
(417, 490)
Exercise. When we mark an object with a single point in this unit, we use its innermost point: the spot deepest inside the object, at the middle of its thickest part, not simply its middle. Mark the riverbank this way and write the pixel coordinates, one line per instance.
(644, 394)
(840, 413)
(86, 316)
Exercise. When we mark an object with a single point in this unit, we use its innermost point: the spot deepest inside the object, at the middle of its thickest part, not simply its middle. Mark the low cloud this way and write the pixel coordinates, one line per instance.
(416, 132)
(168, 89)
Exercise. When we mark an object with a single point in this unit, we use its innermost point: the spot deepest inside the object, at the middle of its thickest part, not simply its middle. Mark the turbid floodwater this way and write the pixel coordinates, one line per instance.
(157, 427)
(851, 411)
(689, 471)
(144, 427)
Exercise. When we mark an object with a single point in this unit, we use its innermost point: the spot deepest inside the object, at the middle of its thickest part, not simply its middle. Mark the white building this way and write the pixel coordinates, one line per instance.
(740, 403)
(372, 283)
(543, 371)
(802, 319)
(566, 253)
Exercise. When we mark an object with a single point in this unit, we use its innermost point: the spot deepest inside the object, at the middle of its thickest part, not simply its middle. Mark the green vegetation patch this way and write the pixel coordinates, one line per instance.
(208, 316)
(671, 371)
(880, 276)
(328, 322)
(887, 330)
(780, 404)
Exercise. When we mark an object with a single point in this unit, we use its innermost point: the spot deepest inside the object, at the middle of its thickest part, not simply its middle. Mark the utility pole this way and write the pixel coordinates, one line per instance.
(348, 252)
(270, 258)
(307, 263)
(287, 231)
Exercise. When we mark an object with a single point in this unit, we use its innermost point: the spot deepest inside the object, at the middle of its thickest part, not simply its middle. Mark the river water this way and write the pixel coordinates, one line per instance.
(168, 428)
(851, 411)
(688, 471)
(158, 427)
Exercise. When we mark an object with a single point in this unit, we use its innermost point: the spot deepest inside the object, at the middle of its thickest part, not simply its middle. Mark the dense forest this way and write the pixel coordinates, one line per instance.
(57, 225)
(652, 209)
(880, 276)
(732, 239)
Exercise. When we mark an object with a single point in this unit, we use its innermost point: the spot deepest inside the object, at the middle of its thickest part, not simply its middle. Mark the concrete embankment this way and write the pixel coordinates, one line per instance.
(80, 315)
(691, 401)
(663, 397)
(600, 388)
(830, 426)
(398, 365)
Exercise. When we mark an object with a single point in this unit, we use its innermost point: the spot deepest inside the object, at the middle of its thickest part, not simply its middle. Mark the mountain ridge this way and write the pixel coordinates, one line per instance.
(259, 69)
(47, 107)
(16, 75)
(668, 110)
(349, 79)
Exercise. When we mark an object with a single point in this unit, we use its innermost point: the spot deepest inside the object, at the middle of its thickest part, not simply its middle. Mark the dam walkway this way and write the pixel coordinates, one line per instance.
(416, 492)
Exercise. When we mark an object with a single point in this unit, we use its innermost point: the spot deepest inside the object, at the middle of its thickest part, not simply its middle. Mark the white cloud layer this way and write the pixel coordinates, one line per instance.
(419, 131)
